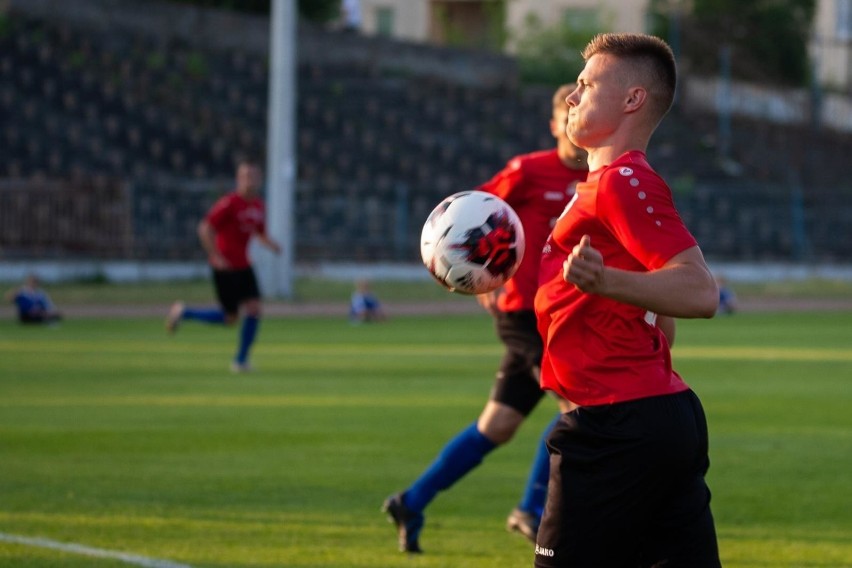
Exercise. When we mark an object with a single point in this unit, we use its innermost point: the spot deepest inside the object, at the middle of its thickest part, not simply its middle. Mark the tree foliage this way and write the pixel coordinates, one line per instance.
(551, 54)
(768, 38)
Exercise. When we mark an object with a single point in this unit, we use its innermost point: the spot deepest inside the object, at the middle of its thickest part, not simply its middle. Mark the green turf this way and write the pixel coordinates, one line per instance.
(115, 436)
(322, 290)
(196, 291)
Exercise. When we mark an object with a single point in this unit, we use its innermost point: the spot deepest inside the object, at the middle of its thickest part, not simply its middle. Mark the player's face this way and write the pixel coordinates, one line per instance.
(249, 178)
(595, 107)
(559, 122)
(559, 129)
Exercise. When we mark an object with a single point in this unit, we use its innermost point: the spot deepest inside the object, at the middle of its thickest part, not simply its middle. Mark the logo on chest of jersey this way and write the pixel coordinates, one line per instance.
(250, 215)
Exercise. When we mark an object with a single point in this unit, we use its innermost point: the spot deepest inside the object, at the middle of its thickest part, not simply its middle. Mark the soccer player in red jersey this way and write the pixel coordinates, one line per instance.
(225, 233)
(627, 471)
(537, 186)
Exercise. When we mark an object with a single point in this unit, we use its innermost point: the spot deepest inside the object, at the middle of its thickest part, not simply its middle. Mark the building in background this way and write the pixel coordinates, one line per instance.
(473, 23)
(831, 45)
(470, 22)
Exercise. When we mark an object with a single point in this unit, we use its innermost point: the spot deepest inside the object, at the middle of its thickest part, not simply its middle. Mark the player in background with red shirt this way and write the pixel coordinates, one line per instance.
(627, 471)
(225, 233)
(537, 186)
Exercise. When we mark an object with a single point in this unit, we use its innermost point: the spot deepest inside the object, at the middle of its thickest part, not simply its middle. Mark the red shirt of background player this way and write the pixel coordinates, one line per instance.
(235, 219)
(537, 186)
(598, 350)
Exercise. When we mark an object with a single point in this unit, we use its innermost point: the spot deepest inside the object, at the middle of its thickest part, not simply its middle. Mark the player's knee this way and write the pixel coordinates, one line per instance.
(500, 435)
(252, 308)
(231, 318)
(499, 427)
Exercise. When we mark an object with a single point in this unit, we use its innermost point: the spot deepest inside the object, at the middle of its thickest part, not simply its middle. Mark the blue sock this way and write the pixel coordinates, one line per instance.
(247, 334)
(209, 315)
(459, 456)
(535, 493)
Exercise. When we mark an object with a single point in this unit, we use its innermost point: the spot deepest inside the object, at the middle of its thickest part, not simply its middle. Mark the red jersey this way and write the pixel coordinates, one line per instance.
(537, 186)
(598, 350)
(235, 219)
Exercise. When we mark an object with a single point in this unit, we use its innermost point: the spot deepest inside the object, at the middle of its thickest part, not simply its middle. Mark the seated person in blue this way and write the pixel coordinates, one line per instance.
(33, 303)
(727, 297)
(364, 307)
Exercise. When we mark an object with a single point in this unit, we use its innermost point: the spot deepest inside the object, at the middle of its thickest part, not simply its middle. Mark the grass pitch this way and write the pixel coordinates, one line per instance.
(116, 436)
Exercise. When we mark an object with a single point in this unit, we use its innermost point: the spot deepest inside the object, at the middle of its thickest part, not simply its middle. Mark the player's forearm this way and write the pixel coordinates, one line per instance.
(682, 290)
(269, 243)
(207, 237)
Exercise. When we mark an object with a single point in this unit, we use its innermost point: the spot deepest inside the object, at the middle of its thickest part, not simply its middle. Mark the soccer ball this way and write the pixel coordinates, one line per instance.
(472, 242)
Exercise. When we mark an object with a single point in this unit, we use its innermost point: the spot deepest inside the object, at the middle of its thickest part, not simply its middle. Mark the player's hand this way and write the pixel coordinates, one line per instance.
(219, 262)
(584, 267)
(270, 243)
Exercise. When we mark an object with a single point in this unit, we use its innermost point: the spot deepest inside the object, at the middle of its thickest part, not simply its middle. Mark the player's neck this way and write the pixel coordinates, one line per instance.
(604, 155)
(623, 140)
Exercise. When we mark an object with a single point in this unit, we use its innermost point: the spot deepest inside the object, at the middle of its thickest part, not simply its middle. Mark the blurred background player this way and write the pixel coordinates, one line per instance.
(538, 186)
(32, 302)
(727, 296)
(225, 233)
(364, 306)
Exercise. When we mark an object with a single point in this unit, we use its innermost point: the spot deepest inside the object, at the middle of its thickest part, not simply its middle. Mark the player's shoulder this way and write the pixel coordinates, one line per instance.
(537, 159)
(631, 169)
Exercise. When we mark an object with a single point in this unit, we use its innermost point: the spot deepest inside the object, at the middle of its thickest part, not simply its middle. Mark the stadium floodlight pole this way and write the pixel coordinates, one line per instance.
(276, 274)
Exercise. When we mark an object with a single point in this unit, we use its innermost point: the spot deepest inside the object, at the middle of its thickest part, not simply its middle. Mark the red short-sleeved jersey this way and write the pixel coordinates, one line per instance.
(537, 186)
(235, 219)
(598, 350)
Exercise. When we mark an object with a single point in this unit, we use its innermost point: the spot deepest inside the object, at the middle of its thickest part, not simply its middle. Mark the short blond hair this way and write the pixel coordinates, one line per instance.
(652, 57)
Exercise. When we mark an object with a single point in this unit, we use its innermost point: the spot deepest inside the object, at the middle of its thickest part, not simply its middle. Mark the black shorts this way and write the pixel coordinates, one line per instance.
(517, 382)
(627, 487)
(233, 287)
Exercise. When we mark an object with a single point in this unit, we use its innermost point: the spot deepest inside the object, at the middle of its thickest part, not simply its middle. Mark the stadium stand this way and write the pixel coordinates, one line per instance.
(385, 130)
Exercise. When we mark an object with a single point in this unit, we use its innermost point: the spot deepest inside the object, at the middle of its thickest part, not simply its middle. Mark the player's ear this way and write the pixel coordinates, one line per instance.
(636, 97)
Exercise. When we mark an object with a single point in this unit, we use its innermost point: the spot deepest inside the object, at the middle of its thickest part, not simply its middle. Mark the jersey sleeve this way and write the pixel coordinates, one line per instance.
(505, 183)
(639, 210)
(217, 214)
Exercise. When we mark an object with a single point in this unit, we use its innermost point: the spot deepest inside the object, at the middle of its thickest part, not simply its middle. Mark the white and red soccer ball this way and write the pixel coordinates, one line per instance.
(472, 242)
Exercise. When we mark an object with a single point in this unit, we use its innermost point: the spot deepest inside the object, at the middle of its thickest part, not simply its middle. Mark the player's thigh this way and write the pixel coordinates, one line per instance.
(683, 533)
(226, 284)
(246, 283)
(590, 510)
(517, 385)
(615, 472)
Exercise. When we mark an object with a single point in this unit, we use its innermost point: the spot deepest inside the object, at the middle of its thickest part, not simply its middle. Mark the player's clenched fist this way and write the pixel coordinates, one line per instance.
(584, 267)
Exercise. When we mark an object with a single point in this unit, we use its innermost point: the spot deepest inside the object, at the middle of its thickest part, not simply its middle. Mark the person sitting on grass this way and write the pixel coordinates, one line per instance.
(33, 303)
(364, 305)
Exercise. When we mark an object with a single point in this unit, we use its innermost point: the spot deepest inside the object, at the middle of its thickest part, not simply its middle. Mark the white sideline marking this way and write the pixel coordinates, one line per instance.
(91, 551)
